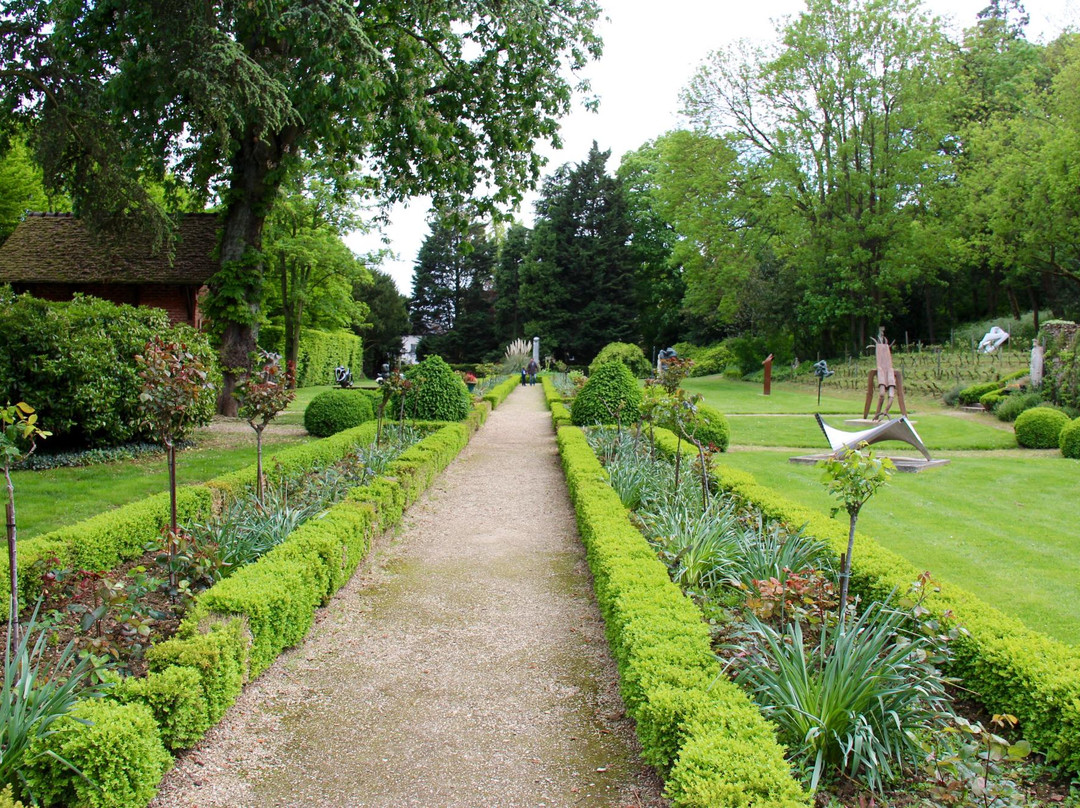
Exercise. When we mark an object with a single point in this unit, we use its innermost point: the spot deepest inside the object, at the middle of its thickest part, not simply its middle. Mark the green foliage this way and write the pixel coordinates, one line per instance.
(175, 380)
(1011, 407)
(630, 355)
(76, 362)
(695, 726)
(34, 695)
(708, 425)
(175, 698)
(707, 360)
(438, 394)
(855, 701)
(1040, 428)
(116, 752)
(334, 411)
(990, 401)
(610, 394)
(320, 352)
(7, 800)
(1069, 440)
(972, 394)
(1061, 380)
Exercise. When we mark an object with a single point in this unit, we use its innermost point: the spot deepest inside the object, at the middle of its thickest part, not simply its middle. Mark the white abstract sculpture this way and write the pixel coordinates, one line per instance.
(894, 429)
(993, 339)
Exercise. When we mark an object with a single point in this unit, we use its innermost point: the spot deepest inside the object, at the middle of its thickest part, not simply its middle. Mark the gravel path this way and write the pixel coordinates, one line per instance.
(464, 665)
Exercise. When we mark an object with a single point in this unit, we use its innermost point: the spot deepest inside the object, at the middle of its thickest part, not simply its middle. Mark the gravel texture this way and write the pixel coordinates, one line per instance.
(464, 665)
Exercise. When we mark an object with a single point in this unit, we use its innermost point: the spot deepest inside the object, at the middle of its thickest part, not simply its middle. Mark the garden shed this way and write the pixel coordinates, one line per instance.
(54, 256)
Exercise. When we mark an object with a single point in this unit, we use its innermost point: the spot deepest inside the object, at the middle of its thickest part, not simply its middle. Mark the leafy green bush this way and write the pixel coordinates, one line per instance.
(714, 359)
(175, 698)
(1013, 405)
(709, 425)
(75, 364)
(320, 352)
(630, 355)
(438, 393)
(7, 800)
(334, 411)
(1069, 440)
(1040, 428)
(115, 749)
(990, 401)
(970, 395)
(612, 391)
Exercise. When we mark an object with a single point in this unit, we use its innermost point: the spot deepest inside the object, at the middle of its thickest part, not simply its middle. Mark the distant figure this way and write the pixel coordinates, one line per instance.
(532, 369)
(524, 377)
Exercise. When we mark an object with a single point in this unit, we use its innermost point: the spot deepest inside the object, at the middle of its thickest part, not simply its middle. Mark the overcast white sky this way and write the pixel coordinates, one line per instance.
(650, 51)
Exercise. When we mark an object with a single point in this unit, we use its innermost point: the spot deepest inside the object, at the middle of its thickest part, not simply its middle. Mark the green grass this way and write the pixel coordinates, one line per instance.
(730, 396)
(1003, 526)
(939, 432)
(46, 500)
(294, 413)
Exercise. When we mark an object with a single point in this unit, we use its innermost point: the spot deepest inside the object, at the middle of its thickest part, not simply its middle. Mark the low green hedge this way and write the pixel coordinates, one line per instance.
(497, 394)
(970, 395)
(696, 727)
(560, 413)
(1008, 667)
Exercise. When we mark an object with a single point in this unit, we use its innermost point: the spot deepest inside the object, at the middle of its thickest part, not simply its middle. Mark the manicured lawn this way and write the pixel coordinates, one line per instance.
(1001, 525)
(294, 413)
(46, 500)
(938, 431)
(730, 396)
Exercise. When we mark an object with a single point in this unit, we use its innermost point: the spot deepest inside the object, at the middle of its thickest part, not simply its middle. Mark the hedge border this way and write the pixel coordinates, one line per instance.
(696, 727)
(239, 626)
(1009, 667)
(560, 413)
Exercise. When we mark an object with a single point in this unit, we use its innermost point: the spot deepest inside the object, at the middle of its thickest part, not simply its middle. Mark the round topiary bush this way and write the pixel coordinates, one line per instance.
(611, 390)
(630, 355)
(1069, 440)
(710, 427)
(1040, 428)
(438, 393)
(336, 410)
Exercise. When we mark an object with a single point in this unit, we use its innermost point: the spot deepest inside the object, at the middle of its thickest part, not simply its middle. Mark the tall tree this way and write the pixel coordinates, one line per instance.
(577, 287)
(387, 321)
(509, 315)
(841, 117)
(430, 96)
(453, 292)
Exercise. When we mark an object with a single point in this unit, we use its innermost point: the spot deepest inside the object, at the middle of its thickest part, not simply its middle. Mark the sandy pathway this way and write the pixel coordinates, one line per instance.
(464, 665)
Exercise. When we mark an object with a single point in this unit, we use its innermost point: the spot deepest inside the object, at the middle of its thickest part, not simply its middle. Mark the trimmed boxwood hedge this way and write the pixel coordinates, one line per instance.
(334, 411)
(1069, 440)
(1006, 666)
(1040, 428)
(610, 390)
(970, 395)
(238, 626)
(699, 729)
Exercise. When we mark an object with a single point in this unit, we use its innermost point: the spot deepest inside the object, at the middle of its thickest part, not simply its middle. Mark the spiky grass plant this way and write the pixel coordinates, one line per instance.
(854, 703)
(770, 550)
(698, 545)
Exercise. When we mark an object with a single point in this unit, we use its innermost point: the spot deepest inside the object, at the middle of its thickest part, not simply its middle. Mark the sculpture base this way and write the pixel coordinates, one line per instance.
(907, 464)
(865, 422)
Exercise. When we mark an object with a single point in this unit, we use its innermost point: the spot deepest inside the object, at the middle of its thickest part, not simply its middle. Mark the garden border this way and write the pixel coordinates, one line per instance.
(237, 627)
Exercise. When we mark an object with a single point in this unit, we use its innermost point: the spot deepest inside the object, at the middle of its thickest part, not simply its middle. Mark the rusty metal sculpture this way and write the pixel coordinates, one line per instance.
(888, 380)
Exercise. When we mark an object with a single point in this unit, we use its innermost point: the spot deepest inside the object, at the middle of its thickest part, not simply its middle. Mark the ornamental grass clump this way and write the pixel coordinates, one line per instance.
(856, 701)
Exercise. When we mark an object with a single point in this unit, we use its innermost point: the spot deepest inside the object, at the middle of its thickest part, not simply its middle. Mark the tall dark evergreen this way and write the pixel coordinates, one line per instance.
(453, 292)
(509, 313)
(577, 286)
(386, 323)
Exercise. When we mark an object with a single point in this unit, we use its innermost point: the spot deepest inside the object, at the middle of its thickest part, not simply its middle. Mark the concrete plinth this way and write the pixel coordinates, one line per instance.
(906, 464)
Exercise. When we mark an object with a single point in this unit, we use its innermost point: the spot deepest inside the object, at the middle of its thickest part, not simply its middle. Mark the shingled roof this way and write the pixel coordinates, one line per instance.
(57, 248)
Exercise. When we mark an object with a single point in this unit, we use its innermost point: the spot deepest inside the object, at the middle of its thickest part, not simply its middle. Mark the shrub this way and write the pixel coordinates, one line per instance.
(709, 361)
(438, 394)
(319, 353)
(630, 355)
(175, 698)
(115, 747)
(1040, 428)
(334, 411)
(990, 401)
(76, 362)
(951, 397)
(710, 426)
(970, 395)
(1069, 440)
(611, 391)
(1013, 405)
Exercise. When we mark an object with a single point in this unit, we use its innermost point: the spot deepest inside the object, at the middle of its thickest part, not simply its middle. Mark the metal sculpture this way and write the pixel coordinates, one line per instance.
(894, 429)
(888, 380)
(821, 370)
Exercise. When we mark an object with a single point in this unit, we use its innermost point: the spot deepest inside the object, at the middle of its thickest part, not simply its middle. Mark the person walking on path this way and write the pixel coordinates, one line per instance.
(464, 665)
(532, 369)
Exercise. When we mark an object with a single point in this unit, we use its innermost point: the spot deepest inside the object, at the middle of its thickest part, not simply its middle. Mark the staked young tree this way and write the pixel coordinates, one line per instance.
(577, 286)
(428, 96)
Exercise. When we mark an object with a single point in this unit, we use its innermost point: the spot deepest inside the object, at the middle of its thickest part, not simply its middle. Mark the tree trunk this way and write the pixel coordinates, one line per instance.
(236, 289)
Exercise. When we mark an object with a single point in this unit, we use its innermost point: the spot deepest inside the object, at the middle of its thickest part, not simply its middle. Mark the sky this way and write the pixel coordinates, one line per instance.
(651, 49)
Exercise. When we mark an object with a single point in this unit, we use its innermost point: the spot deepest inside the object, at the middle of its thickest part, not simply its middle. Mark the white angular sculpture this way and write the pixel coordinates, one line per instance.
(894, 429)
(993, 339)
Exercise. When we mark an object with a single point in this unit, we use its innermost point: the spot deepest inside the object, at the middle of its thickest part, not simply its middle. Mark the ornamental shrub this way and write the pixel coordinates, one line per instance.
(1069, 440)
(1011, 407)
(611, 391)
(438, 393)
(710, 426)
(115, 747)
(76, 362)
(1040, 428)
(630, 355)
(990, 401)
(334, 411)
(709, 361)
